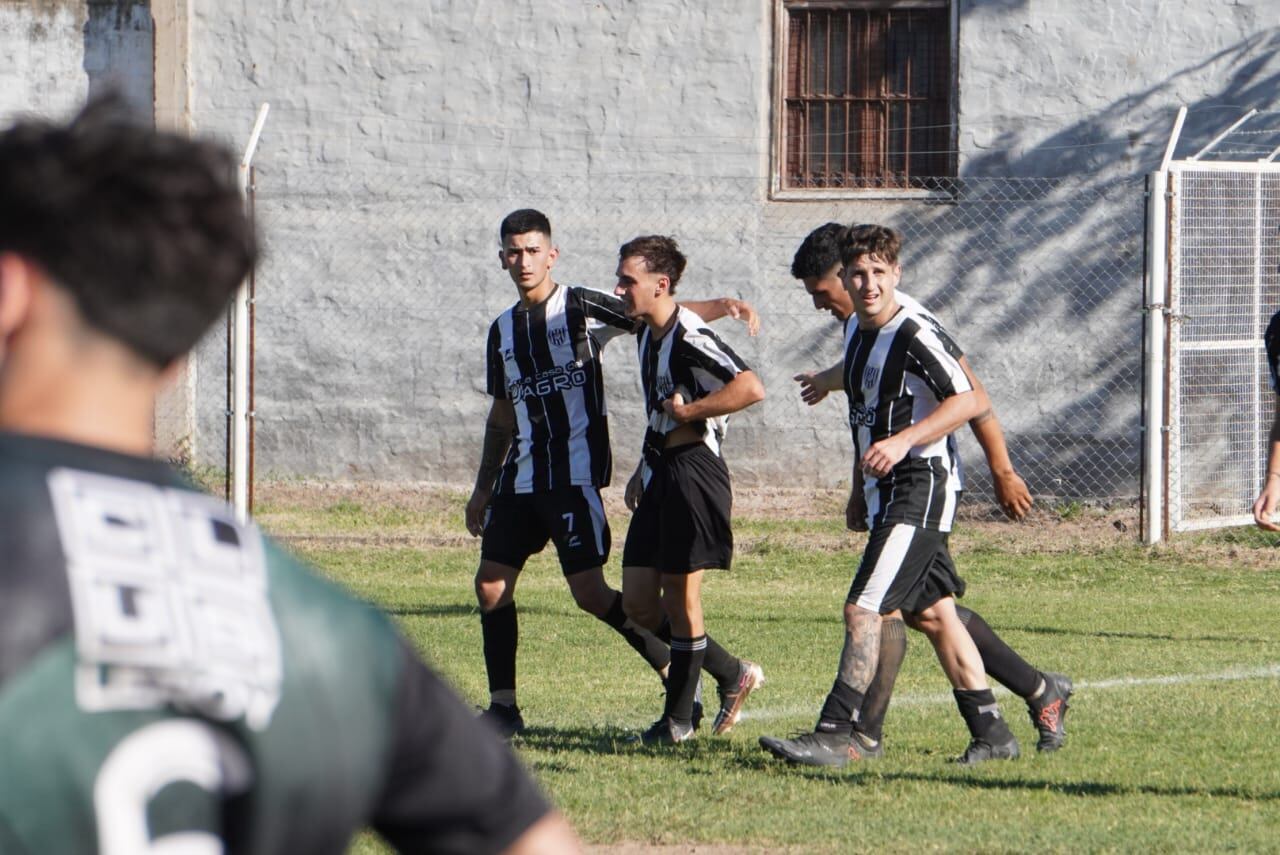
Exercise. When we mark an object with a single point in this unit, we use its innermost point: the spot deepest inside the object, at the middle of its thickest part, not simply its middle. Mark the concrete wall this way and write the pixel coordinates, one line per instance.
(401, 132)
(59, 51)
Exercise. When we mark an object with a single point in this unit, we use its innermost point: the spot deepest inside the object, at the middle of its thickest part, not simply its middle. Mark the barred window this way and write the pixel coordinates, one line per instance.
(866, 95)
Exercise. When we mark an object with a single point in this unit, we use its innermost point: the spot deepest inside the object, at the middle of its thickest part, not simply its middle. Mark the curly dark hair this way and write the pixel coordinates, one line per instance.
(145, 229)
(881, 241)
(820, 251)
(661, 254)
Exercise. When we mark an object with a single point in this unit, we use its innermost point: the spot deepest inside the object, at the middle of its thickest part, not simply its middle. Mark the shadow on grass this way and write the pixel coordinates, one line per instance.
(457, 610)
(1089, 789)
(614, 740)
(1138, 636)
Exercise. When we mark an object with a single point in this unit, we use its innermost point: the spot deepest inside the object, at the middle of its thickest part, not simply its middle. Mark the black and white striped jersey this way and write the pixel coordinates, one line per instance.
(917, 309)
(896, 376)
(546, 360)
(691, 359)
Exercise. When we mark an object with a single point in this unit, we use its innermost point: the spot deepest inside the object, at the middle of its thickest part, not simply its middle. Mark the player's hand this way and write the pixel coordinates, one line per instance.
(810, 393)
(476, 506)
(855, 512)
(675, 408)
(1012, 494)
(1265, 506)
(741, 310)
(635, 488)
(884, 455)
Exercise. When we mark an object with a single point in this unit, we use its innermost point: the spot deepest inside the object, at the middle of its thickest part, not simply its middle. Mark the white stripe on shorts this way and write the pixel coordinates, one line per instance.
(592, 495)
(887, 566)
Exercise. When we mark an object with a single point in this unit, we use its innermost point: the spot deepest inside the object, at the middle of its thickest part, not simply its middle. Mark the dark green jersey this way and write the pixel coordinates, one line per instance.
(168, 677)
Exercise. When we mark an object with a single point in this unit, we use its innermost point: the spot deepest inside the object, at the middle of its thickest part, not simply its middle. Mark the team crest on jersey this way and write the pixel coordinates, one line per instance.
(870, 377)
(559, 336)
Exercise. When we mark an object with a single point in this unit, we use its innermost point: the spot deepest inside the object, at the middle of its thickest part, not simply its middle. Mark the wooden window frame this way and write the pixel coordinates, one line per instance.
(778, 151)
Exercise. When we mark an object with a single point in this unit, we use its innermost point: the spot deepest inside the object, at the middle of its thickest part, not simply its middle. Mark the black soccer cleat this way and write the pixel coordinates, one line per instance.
(505, 719)
(1049, 712)
(980, 751)
(664, 731)
(866, 747)
(812, 749)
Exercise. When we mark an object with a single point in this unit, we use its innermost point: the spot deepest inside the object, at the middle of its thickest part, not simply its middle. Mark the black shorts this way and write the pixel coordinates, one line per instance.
(682, 523)
(518, 525)
(904, 567)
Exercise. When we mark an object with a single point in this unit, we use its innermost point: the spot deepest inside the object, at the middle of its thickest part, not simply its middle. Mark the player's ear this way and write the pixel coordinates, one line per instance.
(502, 258)
(17, 278)
(552, 255)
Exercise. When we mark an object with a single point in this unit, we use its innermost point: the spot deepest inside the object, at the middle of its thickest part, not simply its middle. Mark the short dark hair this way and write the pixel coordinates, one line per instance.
(820, 251)
(661, 254)
(523, 221)
(146, 230)
(881, 241)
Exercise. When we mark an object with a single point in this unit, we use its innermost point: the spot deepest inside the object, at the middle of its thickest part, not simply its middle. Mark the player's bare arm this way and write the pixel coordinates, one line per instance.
(1011, 490)
(855, 512)
(498, 429)
(881, 457)
(635, 488)
(721, 307)
(816, 385)
(1269, 497)
(739, 393)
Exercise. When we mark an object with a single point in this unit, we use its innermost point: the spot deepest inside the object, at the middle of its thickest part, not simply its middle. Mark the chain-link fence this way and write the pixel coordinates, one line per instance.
(378, 287)
(1224, 287)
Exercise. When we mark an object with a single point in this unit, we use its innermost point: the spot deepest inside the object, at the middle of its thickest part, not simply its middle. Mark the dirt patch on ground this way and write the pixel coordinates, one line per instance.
(1047, 530)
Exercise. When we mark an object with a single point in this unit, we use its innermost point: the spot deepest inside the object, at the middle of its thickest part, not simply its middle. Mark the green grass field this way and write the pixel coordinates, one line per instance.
(1171, 737)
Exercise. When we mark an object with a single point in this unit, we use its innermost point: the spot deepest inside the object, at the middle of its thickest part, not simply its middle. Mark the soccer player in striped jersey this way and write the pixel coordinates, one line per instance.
(1269, 494)
(170, 679)
(546, 451)
(817, 264)
(680, 493)
(907, 392)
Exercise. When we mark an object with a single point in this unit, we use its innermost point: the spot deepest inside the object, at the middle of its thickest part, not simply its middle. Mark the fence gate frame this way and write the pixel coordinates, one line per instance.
(1165, 442)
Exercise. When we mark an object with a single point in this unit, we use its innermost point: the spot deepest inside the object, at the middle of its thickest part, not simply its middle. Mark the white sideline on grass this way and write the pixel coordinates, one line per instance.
(1264, 672)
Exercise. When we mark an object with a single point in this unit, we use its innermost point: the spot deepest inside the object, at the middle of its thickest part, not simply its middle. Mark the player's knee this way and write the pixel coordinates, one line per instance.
(594, 599)
(642, 611)
(490, 593)
(856, 617)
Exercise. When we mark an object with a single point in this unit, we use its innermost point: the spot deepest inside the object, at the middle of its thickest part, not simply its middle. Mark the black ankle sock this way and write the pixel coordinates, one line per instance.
(682, 680)
(998, 658)
(893, 648)
(981, 713)
(501, 632)
(840, 708)
(654, 651)
(721, 664)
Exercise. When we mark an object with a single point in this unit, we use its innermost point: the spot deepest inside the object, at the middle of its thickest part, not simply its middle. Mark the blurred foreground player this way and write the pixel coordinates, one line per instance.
(1269, 495)
(169, 679)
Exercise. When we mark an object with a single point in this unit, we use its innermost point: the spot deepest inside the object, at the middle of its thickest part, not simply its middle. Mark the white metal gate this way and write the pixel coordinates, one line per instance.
(1223, 286)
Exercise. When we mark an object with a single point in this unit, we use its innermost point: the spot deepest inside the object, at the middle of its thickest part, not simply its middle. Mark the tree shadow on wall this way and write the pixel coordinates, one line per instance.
(1073, 241)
